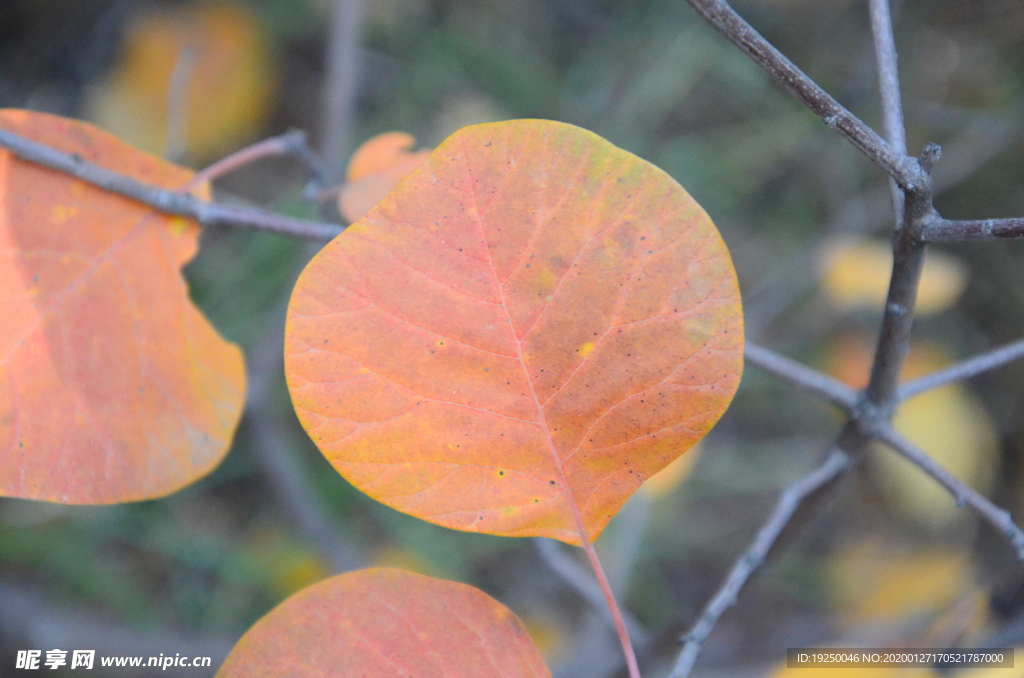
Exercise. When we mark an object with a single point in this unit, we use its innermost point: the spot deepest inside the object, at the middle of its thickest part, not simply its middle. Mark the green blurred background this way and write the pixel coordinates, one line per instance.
(886, 563)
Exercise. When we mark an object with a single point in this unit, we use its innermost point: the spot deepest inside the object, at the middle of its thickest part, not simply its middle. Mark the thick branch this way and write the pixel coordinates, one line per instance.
(965, 370)
(835, 463)
(908, 260)
(903, 169)
(948, 230)
(820, 383)
(169, 202)
(964, 495)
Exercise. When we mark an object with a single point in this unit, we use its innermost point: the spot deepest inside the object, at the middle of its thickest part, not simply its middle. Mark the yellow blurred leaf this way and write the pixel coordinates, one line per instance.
(838, 672)
(855, 274)
(549, 638)
(402, 559)
(1016, 672)
(471, 108)
(221, 57)
(948, 423)
(668, 478)
(287, 564)
(875, 583)
(952, 427)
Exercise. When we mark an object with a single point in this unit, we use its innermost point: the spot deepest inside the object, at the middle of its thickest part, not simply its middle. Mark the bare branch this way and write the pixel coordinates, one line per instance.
(169, 202)
(583, 583)
(835, 463)
(948, 230)
(341, 84)
(965, 370)
(276, 454)
(292, 143)
(275, 450)
(889, 87)
(177, 101)
(964, 495)
(898, 318)
(30, 616)
(903, 169)
(831, 389)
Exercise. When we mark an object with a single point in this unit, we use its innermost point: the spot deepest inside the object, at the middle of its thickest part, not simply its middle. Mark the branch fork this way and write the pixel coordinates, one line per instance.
(916, 223)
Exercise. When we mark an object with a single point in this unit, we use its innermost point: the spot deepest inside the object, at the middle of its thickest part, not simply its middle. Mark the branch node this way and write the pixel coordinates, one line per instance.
(896, 309)
(929, 156)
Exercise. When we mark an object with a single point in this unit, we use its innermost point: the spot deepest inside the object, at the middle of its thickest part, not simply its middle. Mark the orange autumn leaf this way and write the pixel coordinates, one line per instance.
(215, 57)
(381, 623)
(532, 323)
(375, 168)
(113, 386)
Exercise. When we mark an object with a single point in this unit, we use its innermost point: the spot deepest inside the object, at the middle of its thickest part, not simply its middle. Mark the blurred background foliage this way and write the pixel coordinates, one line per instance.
(890, 561)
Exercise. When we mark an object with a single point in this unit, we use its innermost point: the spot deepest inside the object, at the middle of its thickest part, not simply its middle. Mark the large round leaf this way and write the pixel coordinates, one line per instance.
(113, 386)
(532, 319)
(386, 623)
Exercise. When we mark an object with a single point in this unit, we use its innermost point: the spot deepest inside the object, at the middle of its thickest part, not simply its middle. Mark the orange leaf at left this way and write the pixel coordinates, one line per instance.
(113, 386)
(386, 623)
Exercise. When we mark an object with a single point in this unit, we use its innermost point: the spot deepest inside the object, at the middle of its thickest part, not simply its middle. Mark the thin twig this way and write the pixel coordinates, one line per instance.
(889, 87)
(275, 450)
(176, 138)
(965, 370)
(835, 463)
(820, 383)
(162, 200)
(291, 143)
(614, 609)
(341, 84)
(964, 495)
(581, 581)
(903, 169)
(948, 230)
(30, 618)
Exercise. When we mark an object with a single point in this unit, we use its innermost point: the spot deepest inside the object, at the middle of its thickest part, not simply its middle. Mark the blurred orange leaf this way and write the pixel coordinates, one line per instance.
(385, 622)
(219, 55)
(531, 324)
(375, 169)
(113, 386)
